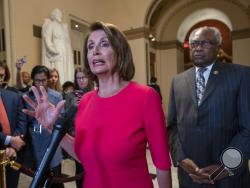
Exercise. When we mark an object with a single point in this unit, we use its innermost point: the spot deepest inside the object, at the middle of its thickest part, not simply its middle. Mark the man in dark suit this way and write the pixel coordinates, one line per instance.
(12, 104)
(209, 111)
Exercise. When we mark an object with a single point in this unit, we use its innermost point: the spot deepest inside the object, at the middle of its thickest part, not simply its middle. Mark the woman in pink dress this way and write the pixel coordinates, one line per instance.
(116, 121)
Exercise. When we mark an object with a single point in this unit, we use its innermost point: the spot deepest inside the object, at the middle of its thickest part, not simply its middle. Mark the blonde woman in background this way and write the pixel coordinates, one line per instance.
(54, 81)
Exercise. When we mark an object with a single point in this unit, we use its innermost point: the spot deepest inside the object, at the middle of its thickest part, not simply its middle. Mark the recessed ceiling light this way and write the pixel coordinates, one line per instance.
(150, 36)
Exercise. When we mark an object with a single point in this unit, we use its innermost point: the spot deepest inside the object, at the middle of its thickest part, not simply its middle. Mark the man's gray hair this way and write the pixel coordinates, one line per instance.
(217, 33)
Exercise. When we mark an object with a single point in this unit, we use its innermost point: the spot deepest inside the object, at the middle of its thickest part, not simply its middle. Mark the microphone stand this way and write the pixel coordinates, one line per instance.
(42, 171)
(48, 182)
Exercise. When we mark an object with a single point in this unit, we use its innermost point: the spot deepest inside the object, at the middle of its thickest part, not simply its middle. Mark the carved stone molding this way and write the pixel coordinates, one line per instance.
(241, 34)
(137, 33)
(164, 45)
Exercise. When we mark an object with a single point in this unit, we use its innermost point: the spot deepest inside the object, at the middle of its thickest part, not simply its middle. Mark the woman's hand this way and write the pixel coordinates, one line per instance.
(44, 112)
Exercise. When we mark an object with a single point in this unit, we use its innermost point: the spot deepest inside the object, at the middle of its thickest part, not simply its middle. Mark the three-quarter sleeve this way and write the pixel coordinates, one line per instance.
(156, 131)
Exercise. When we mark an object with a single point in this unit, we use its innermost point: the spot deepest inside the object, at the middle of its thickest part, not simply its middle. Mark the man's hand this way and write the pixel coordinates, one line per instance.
(195, 172)
(189, 166)
(17, 142)
(10, 152)
(201, 178)
(211, 168)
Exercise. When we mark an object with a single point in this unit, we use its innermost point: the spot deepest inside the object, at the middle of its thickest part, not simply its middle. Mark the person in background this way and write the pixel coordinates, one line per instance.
(67, 93)
(4, 74)
(82, 84)
(22, 77)
(115, 122)
(40, 137)
(5, 77)
(54, 81)
(67, 87)
(13, 125)
(209, 111)
(153, 84)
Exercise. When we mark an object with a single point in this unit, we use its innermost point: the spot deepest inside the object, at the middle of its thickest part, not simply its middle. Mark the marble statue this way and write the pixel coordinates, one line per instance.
(56, 46)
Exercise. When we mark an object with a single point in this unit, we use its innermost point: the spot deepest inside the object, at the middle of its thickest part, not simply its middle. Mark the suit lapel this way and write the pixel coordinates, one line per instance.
(212, 81)
(190, 79)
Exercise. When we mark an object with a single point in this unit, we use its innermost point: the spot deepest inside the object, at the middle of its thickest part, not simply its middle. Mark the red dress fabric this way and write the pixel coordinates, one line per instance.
(112, 134)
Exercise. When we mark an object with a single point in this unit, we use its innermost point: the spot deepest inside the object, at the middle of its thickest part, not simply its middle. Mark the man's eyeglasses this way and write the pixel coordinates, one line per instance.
(42, 81)
(201, 43)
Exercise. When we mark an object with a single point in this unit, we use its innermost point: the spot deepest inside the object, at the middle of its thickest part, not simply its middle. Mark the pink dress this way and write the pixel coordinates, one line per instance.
(112, 134)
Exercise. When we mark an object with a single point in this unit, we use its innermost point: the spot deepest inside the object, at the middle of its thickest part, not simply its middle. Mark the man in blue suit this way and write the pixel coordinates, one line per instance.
(209, 111)
(12, 104)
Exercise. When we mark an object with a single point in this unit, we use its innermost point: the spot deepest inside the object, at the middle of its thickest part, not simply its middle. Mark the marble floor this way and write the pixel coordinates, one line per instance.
(68, 168)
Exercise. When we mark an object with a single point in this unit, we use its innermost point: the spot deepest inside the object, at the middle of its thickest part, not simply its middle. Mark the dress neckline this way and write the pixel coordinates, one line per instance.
(115, 95)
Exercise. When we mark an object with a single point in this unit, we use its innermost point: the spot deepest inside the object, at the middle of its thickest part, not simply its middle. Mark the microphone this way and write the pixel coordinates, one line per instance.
(58, 133)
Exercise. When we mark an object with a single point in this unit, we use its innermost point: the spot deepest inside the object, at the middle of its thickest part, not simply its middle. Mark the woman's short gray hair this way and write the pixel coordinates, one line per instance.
(217, 33)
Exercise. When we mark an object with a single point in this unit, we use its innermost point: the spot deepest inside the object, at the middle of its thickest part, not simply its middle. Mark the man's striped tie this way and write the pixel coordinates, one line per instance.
(200, 84)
